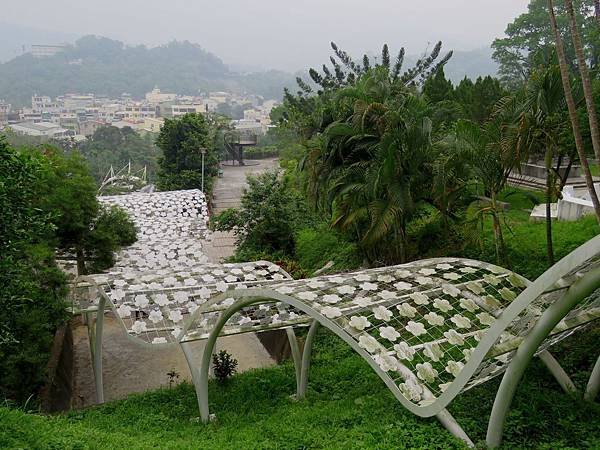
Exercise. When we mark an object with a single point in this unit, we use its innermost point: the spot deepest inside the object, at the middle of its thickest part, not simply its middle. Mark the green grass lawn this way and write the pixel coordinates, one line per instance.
(348, 406)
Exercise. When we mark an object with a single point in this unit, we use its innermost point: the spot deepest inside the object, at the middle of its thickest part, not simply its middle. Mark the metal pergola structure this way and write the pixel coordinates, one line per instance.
(430, 329)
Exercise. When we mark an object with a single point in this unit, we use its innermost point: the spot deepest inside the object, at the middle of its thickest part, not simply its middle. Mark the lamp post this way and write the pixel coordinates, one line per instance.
(203, 152)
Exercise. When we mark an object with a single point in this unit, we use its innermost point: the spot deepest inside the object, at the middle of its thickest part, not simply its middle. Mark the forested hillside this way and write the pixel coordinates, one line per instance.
(108, 67)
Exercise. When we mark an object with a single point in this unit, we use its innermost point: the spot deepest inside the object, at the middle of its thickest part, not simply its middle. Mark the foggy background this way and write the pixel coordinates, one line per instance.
(266, 34)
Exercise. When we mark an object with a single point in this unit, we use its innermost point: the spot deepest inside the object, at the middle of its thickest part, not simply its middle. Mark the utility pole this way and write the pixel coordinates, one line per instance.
(203, 152)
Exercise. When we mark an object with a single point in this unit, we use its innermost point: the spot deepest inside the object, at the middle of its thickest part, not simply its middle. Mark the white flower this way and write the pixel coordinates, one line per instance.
(382, 313)
(406, 310)
(118, 294)
(402, 285)
(250, 277)
(204, 292)
(359, 322)
(468, 270)
(387, 363)
(285, 289)
(278, 277)
(237, 271)
(228, 302)
(491, 302)
(389, 333)
(411, 390)
(454, 367)
(155, 316)
(434, 319)
(452, 276)
(362, 277)
(419, 298)
(507, 294)
(468, 304)
(244, 320)
(190, 282)
(338, 280)
(475, 287)
(454, 337)
(415, 328)
(491, 279)
(316, 284)
(448, 289)
(444, 386)
(230, 279)
(433, 351)
(181, 296)
(176, 331)
(404, 351)
(423, 280)
(161, 299)
(346, 289)
(141, 301)
(362, 301)
(485, 318)
(442, 304)
(331, 312)
(159, 340)
(124, 311)
(426, 372)
(191, 306)
(368, 287)
(221, 286)
(427, 271)
(307, 295)
(208, 278)
(331, 298)
(461, 321)
(175, 315)
(443, 266)
(401, 273)
(369, 343)
(387, 295)
(478, 335)
(468, 352)
(385, 278)
(139, 327)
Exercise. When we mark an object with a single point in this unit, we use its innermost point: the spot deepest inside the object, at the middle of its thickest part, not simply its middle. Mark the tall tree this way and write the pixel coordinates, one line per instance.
(566, 81)
(182, 142)
(585, 78)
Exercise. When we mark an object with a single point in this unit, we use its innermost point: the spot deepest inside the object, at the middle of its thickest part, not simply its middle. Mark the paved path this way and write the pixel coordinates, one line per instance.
(227, 194)
(129, 367)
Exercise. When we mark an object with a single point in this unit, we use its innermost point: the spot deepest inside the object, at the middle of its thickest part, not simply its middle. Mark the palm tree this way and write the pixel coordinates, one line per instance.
(566, 81)
(585, 78)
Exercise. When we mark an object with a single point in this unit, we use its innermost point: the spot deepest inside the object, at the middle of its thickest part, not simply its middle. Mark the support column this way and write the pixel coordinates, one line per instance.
(306, 355)
(558, 372)
(593, 386)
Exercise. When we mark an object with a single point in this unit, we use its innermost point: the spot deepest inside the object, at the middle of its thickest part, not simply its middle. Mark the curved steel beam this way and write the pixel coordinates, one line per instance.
(593, 387)
(306, 354)
(580, 289)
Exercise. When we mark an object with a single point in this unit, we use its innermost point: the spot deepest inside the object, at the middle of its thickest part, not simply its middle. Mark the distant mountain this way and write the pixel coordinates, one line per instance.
(107, 67)
(17, 39)
(471, 64)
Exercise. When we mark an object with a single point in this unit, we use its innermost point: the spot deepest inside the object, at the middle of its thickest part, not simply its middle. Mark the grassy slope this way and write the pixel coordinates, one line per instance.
(348, 406)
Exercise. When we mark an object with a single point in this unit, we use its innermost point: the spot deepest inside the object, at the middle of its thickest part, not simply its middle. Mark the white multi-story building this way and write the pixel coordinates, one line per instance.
(4, 112)
(180, 110)
(157, 97)
(41, 129)
(72, 102)
(137, 111)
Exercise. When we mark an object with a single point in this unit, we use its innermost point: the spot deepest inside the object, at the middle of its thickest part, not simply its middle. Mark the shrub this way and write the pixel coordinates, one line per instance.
(224, 365)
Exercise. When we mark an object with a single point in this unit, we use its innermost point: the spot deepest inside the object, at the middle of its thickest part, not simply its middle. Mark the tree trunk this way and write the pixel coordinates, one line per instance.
(81, 270)
(549, 189)
(585, 78)
(501, 253)
(564, 73)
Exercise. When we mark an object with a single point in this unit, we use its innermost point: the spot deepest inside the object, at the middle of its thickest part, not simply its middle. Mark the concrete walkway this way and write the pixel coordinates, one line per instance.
(129, 367)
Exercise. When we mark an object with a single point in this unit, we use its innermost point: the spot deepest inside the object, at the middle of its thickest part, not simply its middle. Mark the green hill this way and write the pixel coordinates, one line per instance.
(108, 67)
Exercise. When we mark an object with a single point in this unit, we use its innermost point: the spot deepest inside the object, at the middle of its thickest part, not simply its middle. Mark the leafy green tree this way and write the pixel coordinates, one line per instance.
(32, 288)
(437, 88)
(529, 40)
(269, 216)
(181, 141)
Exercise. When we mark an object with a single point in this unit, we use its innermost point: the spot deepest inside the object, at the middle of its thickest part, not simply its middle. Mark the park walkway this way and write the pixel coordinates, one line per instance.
(129, 367)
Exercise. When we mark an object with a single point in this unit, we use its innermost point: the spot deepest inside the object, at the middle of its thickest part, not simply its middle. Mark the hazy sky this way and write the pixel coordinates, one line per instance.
(281, 34)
